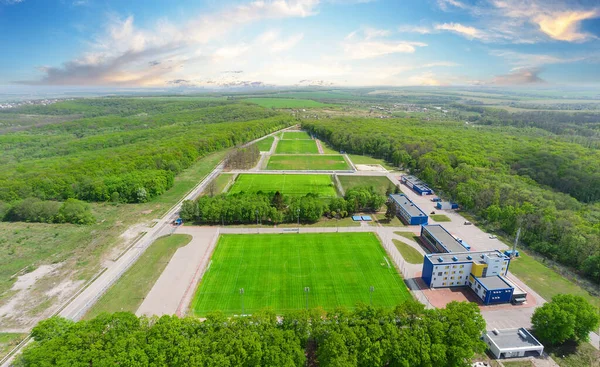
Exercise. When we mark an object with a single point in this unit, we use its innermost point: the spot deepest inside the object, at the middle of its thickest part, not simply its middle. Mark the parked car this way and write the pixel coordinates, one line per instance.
(493, 236)
(468, 223)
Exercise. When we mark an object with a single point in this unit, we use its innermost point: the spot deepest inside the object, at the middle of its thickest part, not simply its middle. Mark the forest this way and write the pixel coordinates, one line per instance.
(508, 177)
(129, 151)
(408, 335)
(247, 208)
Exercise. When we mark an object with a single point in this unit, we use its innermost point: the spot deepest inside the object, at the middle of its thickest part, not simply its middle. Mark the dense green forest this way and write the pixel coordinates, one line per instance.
(408, 335)
(508, 177)
(129, 152)
(248, 208)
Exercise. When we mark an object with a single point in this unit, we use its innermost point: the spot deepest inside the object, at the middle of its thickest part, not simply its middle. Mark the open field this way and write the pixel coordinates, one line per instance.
(544, 280)
(440, 217)
(265, 144)
(285, 102)
(308, 162)
(409, 254)
(221, 182)
(8, 341)
(274, 270)
(380, 183)
(365, 159)
(295, 185)
(295, 135)
(296, 147)
(130, 290)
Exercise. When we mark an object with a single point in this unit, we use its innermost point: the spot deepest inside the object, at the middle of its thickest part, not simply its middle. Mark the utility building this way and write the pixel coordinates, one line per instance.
(483, 271)
(513, 343)
(416, 185)
(407, 210)
(438, 240)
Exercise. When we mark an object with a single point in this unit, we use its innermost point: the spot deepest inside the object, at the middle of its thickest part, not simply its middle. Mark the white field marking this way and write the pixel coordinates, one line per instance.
(386, 260)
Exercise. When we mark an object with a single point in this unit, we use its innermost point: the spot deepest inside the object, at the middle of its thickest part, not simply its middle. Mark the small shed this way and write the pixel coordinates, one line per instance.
(513, 343)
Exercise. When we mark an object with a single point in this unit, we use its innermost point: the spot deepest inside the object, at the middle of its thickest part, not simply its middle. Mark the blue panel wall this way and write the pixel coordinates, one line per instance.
(423, 219)
(427, 271)
(498, 296)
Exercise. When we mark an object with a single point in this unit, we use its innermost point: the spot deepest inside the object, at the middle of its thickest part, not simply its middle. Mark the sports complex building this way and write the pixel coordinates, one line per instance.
(438, 240)
(483, 271)
(408, 211)
(416, 185)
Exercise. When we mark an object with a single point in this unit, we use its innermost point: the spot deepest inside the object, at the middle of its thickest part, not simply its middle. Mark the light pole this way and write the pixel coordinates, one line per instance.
(298, 213)
(242, 297)
(371, 290)
(337, 225)
(306, 290)
(257, 227)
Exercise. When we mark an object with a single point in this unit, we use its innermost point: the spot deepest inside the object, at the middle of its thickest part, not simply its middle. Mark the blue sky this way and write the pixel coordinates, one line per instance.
(158, 43)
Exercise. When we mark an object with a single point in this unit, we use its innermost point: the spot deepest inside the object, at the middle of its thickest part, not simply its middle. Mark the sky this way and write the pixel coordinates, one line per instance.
(169, 43)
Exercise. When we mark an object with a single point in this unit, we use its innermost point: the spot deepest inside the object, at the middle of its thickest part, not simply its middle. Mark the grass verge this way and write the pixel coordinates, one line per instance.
(572, 355)
(380, 183)
(394, 222)
(440, 217)
(265, 144)
(130, 290)
(8, 341)
(365, 159)
(409, 254)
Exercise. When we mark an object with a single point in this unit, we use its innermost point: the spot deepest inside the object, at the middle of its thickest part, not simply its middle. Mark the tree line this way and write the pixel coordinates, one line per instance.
(408, 335)
(275, 208)
(485, 169)
(127, 159)
(243, 158)
(36, 210)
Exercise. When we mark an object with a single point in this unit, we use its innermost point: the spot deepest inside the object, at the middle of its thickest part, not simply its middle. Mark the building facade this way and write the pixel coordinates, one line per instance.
(438, 240)
(407, 211)
(416, 185)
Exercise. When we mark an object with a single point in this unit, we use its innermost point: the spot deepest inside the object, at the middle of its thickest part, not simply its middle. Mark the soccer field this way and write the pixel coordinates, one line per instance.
(308, 162)
(274, 270)
(296, 147)
(295, 135)
(295, 185)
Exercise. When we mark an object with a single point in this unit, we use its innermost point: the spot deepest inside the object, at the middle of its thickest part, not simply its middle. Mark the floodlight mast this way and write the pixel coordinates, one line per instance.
(371, 290)
(242, 297)
(306, 290)
(298, 213)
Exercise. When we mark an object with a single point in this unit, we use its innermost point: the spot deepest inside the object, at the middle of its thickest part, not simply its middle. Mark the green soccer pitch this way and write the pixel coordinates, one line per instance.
(296, 147)
(308, 162)
(275, 269)
(294, 184)
(295, 135)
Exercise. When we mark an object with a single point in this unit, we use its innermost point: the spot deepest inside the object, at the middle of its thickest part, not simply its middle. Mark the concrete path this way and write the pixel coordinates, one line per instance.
(319, 146)
(179, 277)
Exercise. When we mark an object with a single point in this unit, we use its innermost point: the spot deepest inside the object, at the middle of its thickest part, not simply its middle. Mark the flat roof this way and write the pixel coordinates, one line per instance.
(466, 256)
(511, 338)
(495, 282)
(444, 237)
(407, 205)
(415, 181)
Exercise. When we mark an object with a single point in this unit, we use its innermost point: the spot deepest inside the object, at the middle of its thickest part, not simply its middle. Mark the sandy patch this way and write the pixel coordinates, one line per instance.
(370, 167)
(25, 281)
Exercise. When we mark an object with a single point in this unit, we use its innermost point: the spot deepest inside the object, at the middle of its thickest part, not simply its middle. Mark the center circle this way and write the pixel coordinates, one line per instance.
(299, 267)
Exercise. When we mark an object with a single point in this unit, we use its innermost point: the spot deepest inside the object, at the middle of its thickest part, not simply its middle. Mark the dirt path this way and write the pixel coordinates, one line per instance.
(319, 146)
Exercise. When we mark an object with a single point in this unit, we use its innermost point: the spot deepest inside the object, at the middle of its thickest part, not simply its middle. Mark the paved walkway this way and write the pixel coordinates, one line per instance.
(179, 277)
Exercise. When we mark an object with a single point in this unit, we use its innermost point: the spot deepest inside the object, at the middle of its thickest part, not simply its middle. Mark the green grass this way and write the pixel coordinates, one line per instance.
(380, 183)
(295, 135)
(222, 181)
(365, 159)
(8, 341)
(572, 355)
(285, 102)
(409, 235)
(294, 185)
(394, 222)
(440, 218)
(324, 222)
(296, 147)
(130, 290)
(327, 149)
(544, 280)
(409, 253)
(526, 363)
(274, 269)
(265, 144)
(307, 162)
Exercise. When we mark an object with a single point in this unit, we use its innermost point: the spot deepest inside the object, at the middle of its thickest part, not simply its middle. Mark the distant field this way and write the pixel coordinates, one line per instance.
(274, 270)
(296, 147)
(365, 159)
(380, 183)
(285, 102)
(295, 135)
(265, 144)
(295, 185)
(307, 162)
(128, 293)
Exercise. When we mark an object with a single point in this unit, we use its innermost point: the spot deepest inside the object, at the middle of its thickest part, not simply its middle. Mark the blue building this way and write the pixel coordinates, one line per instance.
(408, 211)
(438, 240)
(482, 271)
(416, 185)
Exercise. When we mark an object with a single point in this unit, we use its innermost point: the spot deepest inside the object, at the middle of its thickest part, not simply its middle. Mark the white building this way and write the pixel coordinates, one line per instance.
(513, 343)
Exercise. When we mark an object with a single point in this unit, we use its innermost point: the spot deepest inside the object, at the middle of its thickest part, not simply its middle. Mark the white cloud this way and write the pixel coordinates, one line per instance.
(467, 31)
(414, 29)
(272, 41)
(519, 76)
(447, 4)
(532, 60)
(564, 26)
(427, 78)
(371, 49)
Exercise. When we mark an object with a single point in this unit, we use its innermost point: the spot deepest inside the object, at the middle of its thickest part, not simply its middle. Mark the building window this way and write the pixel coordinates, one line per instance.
(454, 272)
(460, 271)
(439, 274)
(447, 267)
(445, 278)
(462, 266)
(453, 266)
(444, 283)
